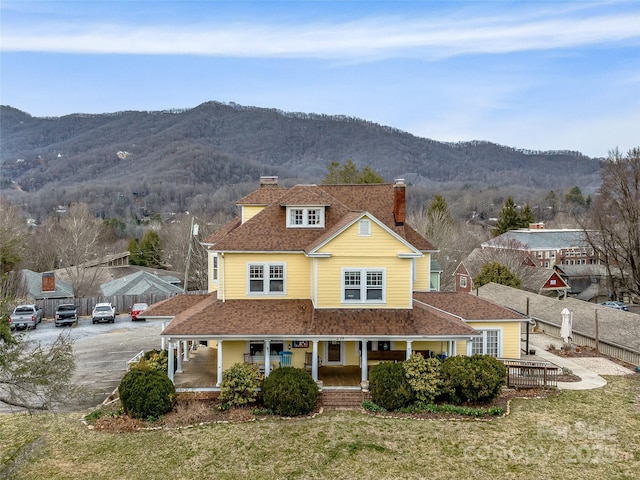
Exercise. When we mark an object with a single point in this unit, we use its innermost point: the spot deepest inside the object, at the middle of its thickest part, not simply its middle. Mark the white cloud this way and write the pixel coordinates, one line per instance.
(382, 37)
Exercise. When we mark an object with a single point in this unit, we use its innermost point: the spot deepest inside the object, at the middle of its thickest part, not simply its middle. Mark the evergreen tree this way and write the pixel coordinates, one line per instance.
(350, 174)
(135, 254)
(496, 273)
(574, 195)
(526, 217)
(508, 218)
(151, 250)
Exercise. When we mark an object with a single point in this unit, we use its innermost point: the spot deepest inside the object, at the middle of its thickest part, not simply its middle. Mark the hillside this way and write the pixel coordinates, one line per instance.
(206, 156)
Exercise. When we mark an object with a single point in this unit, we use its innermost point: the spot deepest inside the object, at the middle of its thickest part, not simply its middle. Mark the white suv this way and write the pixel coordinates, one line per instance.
(103, 312)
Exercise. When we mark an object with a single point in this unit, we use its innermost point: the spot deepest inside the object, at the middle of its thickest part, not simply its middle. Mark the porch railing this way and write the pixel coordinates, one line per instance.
(135, 359)
(530, 374)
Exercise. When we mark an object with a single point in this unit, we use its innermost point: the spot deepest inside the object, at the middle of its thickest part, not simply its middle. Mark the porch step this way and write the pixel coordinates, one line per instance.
(344, 398)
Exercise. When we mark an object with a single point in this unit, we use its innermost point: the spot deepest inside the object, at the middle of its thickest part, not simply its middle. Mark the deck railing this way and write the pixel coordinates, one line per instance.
(530, 374)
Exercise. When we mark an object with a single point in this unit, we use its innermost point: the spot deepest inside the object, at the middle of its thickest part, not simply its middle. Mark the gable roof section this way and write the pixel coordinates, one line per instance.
(267, 230)
(262, 196)
(138, 283)
(540, 239)
(467, 306)
(34, 286)
(175, 305)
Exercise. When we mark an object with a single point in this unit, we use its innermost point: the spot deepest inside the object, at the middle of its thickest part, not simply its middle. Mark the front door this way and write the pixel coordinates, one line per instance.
(334, 352)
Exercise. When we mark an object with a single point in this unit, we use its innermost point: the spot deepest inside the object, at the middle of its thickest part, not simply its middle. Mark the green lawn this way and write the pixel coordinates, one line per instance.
(574, 435)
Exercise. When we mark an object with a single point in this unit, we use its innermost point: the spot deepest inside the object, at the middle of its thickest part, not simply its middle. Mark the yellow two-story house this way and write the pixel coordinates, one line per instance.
(319, 276)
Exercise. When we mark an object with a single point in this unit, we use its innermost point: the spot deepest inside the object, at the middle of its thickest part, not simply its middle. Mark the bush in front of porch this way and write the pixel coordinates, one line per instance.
(389, 386)
(290, 392)
(240, 385)
(478, 378)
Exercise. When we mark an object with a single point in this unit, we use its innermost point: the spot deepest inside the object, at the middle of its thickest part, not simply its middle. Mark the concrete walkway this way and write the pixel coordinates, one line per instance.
(587, 368)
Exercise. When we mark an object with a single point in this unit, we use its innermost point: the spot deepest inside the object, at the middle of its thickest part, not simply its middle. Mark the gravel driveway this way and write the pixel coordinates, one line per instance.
(101, 352)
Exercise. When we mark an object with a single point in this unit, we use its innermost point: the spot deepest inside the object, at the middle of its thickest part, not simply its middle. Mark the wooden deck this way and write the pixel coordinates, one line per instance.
(201, 369)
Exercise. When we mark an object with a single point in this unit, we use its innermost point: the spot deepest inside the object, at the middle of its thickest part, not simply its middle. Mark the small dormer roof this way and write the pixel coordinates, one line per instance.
(306, 196)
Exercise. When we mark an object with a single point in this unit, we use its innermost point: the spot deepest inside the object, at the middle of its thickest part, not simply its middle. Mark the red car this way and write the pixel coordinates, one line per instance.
(137, 309)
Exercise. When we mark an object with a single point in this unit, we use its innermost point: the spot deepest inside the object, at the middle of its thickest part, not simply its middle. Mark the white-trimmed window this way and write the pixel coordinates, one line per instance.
(214, 267)
(267, 278)
(305, 217)
(487, 344)
(364, 228)
(463, 282)
(363, 285)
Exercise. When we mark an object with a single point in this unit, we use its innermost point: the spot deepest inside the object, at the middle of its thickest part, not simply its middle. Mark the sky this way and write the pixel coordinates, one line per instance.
(538, 75)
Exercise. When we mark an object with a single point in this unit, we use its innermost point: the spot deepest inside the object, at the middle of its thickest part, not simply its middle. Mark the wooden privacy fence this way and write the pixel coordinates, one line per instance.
(530, 374)
(123, 303)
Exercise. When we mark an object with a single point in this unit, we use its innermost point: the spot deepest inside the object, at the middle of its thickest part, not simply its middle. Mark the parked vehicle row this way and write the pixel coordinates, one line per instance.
(616, 305)
(66, 314)
(28, 316)
(103, 312)
(25, 316)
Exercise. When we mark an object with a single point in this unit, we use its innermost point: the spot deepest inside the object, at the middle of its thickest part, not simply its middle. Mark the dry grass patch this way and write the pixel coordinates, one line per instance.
(577, 435)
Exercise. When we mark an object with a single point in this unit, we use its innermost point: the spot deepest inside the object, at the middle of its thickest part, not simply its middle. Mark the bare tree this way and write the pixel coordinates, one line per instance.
(33, 376)
(14, 234)
(615, 217)
(175, 238)
(79, 245)
(455, 241)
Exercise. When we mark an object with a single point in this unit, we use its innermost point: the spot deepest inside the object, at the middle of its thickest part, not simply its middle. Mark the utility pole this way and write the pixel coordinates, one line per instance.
(193, 230)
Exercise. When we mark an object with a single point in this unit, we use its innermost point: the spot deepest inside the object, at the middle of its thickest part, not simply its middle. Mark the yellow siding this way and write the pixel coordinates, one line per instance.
(379, 250)
(235, 274)
(351, 353)
(423, 274)
(510, 336)
(248, 212)
(232, 353)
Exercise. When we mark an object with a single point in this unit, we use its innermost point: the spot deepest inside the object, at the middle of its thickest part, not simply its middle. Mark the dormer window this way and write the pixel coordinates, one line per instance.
(305, 217)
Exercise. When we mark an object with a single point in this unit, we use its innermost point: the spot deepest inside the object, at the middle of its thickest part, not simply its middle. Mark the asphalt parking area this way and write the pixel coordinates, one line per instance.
(101, 352)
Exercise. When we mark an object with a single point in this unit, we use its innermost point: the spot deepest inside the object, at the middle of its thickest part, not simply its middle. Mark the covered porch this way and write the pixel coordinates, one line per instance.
(200, 372)
(199, 365)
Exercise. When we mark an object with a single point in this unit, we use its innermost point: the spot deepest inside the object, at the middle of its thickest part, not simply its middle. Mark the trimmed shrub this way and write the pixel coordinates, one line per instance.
(423, 375)
(476, 379)
(240, 383)
(389, 386)
(146, 393)
(289, 391)
(152, 360)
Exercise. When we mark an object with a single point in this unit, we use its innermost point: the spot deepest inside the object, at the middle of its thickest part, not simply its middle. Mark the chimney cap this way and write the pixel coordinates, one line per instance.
(400, 181)
(269, 180)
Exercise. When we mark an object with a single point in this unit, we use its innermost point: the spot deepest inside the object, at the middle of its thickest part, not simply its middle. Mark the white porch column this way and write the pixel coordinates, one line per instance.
(453, 348)
(163, 341)
(179, 355)
(219, 372)
(170, 366)
(469, 348)
(314, 361)
(364, 362)
(409, 350)
(185, 351)
(267, 358)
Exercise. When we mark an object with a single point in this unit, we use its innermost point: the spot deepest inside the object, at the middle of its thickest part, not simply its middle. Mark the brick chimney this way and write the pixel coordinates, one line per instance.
(48, 282)
(399, 202)
(268, 182)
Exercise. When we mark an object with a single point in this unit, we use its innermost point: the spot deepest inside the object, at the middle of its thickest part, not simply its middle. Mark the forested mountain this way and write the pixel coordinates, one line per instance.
(136, 163)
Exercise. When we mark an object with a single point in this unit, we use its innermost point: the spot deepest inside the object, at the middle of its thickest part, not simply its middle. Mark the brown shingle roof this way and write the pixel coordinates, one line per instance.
(467, 306)
(174, 305)
(223, 231)
(256, 318)
(262, 196)
(267, 231)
